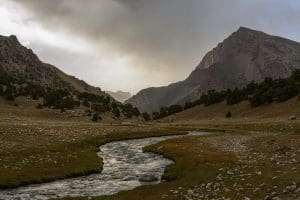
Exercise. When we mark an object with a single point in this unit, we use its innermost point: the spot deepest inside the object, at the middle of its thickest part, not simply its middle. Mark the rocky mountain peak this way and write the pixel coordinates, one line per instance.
(241, 39)
(11, 50)
(246, 55)
(13, 39)
(243, 30)
(246, 42)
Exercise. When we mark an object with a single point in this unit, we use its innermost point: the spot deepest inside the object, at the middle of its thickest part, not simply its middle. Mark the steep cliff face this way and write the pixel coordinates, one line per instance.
(244, 56)
(21, 63)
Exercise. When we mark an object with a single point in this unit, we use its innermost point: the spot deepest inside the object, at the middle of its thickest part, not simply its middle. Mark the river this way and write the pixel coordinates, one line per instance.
(125, 167)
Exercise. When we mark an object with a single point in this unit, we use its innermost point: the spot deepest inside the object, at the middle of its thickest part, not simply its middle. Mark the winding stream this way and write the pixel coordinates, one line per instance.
(124, 165)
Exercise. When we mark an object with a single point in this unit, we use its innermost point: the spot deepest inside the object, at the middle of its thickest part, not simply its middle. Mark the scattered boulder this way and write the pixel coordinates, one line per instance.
(292, 117)
(290, 188)
(268, 197)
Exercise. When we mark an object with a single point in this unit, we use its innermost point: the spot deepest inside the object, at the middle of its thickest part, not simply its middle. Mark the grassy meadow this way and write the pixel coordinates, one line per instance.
(247, 156)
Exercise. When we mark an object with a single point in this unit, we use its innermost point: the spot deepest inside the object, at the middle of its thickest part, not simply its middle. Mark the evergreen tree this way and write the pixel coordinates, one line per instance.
(116, 112)
(174, 109)
(155, 115)
(96, 117)
(9, 93)
(146, 116)
(188, 105)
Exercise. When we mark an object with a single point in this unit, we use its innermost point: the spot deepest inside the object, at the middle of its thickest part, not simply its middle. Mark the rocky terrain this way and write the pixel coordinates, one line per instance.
(257, 172)
(244, 56)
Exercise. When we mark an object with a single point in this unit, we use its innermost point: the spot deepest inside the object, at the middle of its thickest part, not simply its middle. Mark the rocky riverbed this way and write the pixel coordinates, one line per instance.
(125, 167)
(263, 170)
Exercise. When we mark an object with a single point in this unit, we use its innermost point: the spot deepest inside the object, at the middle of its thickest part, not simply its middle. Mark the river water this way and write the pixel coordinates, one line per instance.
(124, 165)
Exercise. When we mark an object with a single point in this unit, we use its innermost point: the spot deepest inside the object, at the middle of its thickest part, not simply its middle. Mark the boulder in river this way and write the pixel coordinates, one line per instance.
(129, 178)
(148, 178)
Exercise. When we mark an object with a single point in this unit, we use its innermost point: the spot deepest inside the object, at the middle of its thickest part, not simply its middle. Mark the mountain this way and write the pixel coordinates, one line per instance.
(22, 64)
(22, 74)
(246, 55)
(119, 95)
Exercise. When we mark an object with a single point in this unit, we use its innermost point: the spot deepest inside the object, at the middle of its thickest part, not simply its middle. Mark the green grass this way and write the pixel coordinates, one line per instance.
(59, 161)
(62, 162)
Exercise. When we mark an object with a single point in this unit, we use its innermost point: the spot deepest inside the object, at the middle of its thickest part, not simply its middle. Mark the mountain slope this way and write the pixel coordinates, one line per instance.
(244, 56)
(22, 74)
(119, 95)
(241, 111)
(21, 63)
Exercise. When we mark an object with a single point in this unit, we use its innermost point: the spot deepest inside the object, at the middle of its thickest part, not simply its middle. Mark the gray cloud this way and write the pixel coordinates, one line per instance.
(164, 35)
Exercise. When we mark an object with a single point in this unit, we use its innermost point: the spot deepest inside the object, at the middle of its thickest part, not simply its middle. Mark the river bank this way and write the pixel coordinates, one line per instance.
(125, 167)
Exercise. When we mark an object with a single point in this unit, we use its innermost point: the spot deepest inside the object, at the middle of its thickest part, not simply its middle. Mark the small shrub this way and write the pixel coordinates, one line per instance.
(96, 117)
(228, 115)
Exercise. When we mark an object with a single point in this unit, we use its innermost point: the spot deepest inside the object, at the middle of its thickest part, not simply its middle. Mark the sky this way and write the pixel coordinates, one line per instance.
(134, 44)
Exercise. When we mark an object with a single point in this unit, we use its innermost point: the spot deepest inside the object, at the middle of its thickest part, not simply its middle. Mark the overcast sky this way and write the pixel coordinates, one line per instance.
(134, 44)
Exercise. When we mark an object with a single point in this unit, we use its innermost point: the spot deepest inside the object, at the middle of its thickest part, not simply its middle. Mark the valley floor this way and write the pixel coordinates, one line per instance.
(246, 158)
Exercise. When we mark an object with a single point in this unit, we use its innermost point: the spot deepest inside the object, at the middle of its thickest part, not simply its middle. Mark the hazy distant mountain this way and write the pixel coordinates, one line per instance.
(119, 95)
(22, 64)
(244, 56)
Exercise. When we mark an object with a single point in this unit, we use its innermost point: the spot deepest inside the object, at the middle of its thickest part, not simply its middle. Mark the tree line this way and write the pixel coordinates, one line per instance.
(63, 99)
(267, 91)
(258, 94)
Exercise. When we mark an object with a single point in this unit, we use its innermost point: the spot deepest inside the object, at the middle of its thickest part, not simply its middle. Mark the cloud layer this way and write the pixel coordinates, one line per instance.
(159, 41)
